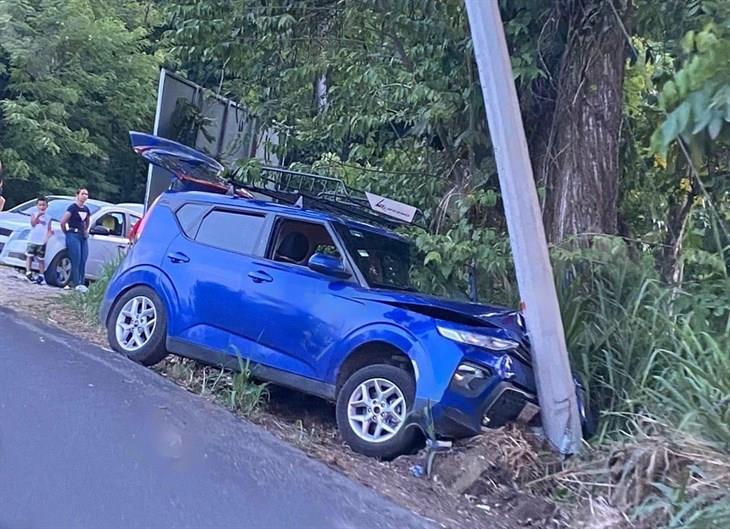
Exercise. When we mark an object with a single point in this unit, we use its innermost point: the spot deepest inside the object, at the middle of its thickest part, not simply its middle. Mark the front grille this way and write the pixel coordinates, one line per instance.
(506, 408)
(6, 232)
(523, 354)
(17, 255)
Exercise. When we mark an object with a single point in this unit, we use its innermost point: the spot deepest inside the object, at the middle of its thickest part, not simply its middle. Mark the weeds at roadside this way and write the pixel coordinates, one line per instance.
(87, 304)
(243, 394)
(236, 390)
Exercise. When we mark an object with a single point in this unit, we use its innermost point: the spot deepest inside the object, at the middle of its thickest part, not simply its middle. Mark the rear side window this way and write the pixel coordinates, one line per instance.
(228, 230)
(189, 217)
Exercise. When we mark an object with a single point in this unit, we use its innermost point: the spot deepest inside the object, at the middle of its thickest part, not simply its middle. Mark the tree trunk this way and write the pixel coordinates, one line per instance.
(579, 164)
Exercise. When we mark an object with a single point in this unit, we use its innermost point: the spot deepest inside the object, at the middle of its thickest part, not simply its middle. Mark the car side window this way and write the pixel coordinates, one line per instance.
(230, 230)
(189, 217)
(296, 241)
(114, 222)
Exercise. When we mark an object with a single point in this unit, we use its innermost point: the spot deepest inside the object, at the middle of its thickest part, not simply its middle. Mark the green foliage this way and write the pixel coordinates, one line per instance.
(697, 99)
(383, 94)
(675, 195)
(243, 394)
(87, 304)
(683, 510)
(75, 77)
(644, 348)
(694, 390)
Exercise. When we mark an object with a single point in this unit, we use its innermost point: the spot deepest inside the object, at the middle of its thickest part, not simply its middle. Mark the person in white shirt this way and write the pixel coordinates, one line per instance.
(39, 234)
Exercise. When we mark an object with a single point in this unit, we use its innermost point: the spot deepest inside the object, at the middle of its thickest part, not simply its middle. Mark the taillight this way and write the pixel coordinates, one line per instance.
(136, 232)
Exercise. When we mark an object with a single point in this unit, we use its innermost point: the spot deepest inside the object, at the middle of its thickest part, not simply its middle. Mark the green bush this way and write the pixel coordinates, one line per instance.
(643, 347)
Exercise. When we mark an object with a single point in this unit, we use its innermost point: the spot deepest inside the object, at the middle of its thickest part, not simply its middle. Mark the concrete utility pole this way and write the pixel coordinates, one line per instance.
(555, 388)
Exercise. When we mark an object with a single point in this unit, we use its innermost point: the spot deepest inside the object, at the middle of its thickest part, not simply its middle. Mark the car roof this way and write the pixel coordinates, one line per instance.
(132, 206)
(92, 201)
(71, 197)
(282, 209)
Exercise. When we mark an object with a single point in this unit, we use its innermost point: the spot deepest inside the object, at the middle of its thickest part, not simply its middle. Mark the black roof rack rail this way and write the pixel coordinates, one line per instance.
(324, 193)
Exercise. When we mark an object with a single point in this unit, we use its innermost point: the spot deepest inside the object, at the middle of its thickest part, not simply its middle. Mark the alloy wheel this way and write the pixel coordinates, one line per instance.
(136, 323)
(376, 410)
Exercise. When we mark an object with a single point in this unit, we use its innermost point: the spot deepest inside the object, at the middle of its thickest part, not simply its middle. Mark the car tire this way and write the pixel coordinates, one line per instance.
(137, 326)
(58, 272)
(371, 437)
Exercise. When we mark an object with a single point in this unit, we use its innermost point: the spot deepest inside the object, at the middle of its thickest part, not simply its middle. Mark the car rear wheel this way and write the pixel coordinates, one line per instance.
(372, 411)
(137, 326)
(58, 272)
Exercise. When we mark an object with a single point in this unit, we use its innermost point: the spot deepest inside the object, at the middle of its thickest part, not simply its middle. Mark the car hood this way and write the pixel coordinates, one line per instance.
(473, 314)
(14, 221)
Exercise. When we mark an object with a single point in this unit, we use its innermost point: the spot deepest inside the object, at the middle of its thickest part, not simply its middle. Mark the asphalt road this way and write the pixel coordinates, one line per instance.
(91, 440)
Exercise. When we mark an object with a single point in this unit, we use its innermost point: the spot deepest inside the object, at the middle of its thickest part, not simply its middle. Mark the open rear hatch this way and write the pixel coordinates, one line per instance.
(192, 170)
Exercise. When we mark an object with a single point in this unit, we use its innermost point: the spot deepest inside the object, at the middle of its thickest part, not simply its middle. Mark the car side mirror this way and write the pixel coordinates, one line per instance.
(99, 230)
(328, 265)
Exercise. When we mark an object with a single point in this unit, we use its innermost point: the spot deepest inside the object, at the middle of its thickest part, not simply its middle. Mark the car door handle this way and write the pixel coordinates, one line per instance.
(260, 277)
(178, 257)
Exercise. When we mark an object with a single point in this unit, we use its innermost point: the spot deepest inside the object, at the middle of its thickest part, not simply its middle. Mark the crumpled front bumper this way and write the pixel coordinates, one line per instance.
(456, 417)
(507, 395)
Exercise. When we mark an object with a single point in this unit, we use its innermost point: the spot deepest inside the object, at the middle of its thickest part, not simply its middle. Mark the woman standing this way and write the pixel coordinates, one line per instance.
(75, 224)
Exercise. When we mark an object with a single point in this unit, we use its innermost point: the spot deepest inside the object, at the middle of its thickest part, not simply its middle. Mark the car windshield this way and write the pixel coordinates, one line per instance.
(384, 261)
(56, 208)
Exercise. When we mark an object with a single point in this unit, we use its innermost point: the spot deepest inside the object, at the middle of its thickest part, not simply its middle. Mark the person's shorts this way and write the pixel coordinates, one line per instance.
(36, 250)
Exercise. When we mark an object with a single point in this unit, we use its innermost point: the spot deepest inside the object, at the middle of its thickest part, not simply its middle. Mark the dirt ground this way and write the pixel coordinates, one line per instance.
(478, 483)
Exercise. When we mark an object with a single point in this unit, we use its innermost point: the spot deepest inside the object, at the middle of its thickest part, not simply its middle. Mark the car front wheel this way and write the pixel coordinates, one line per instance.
(372, 411)
(137, 326)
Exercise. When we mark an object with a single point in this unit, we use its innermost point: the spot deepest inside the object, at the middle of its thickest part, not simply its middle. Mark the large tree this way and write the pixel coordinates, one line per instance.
(579, 112)
(75, 77)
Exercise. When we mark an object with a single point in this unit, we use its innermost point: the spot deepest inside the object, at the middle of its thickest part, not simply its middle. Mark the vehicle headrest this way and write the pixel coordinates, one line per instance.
(295, 246)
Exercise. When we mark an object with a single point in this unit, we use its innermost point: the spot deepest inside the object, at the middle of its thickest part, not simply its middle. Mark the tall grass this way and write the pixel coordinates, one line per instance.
(243, 393)
(87, 304)
(637, 346)
(646, 350)
(693, 387)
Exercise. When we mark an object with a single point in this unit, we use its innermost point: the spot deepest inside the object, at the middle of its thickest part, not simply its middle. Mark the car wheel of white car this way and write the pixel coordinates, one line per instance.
(58, 272)
(137, 326)
(372, 411)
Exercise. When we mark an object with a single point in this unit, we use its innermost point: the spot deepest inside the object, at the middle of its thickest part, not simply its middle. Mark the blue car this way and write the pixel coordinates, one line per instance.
(317, 299)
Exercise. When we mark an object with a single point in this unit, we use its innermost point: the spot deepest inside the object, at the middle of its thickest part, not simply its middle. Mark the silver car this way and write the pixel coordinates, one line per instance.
(110, 225)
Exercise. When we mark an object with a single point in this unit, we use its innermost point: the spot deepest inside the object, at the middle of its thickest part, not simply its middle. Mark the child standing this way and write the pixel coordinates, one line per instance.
(39, 234)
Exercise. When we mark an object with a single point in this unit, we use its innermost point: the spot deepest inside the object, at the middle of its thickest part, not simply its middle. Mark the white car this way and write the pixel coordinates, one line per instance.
(110, 225)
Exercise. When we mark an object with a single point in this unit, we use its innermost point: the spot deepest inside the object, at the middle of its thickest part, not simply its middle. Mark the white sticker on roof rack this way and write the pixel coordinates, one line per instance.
(392, 208)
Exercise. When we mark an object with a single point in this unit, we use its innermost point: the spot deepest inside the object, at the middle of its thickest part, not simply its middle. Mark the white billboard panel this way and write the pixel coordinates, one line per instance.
(197, 117)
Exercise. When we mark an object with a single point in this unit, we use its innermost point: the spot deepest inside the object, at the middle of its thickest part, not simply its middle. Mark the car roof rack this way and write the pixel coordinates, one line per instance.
(196, 170)
(327, 193)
